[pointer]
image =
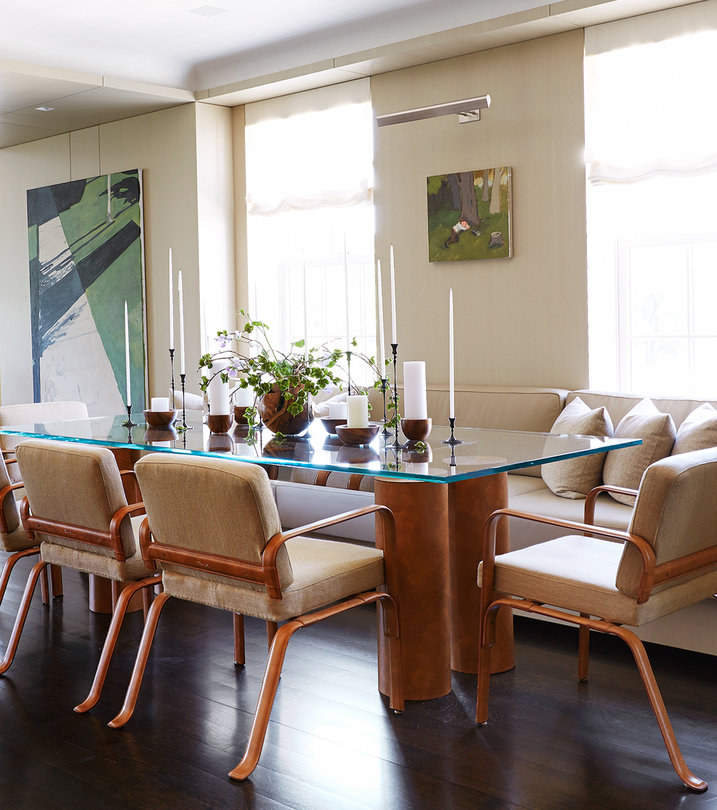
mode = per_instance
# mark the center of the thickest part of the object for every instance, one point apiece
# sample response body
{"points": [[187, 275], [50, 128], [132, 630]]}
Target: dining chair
{"points": [[602, 579], [13, 537], [213, 529], [76, 509]]}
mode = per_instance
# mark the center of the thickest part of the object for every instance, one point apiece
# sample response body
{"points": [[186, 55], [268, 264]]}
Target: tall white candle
{"points": [[306, 308], [160, 403], [357, 411], [451, 361], [218, 391], [414, 390], [126, 356], [381, 347], [346, 287], [171, 303], [182, 365], [394, 339]]}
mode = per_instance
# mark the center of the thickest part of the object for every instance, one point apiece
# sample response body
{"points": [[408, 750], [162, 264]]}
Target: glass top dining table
{"points": [[481, 452], [439, 494]]}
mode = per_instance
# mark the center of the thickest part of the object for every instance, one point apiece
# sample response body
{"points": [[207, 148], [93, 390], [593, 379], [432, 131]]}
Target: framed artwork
{"points": [[469, 215], [86, 260]]}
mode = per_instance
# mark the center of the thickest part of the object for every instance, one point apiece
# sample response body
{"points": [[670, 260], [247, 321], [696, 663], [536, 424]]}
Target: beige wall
{"points": [[190, 217], [521, 320], [518, 321]]}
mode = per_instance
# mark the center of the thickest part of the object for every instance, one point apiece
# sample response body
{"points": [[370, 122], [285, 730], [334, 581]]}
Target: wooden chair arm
{"points": [[592, 496], [5, 492], [271, 549], [646, 551], [130, 485]]}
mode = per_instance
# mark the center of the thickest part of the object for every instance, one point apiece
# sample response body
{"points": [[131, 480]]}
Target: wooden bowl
{"points": [[416, 429], [356, 436], [331, 425], [159, 418], [219, 423]]}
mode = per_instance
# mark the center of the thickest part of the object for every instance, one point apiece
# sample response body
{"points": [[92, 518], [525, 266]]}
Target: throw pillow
{"points": [[625, 467], [698, 431], [575, 477]]}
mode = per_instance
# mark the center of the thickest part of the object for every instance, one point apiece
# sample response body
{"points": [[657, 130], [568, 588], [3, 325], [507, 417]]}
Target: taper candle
{"points": [[171, 303], [381, 348], [182, 365], [394, 331], [126, 355], [346, 287], [451, 361], [306, 306]]}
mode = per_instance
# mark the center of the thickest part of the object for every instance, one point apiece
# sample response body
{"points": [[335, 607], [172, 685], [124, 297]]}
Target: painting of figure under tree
{"points": [[469, 215]]}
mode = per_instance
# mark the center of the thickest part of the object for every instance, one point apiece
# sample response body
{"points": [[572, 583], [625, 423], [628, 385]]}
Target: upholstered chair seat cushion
{"points": [[324, 572], [91, 562], [579, 573]]}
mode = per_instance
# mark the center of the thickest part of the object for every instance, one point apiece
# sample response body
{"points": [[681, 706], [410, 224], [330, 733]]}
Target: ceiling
{"points": [[87, 62]]}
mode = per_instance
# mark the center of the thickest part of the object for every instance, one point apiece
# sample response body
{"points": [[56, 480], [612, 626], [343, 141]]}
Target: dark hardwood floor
{"points": [[551, 742]]}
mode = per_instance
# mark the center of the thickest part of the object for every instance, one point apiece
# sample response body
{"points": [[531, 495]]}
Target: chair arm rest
{"points": [[6, 492], [592, 496], [130, 486], [271, 549], [116, 522]]}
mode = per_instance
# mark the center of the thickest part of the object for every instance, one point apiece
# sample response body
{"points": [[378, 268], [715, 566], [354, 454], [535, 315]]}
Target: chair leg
{"points": [[269, 686], [583, 650], [390, 626], [108, 647], [130, 700], [239, 652], [44, 588], [10, 564], [37, 569], [271, 629], [486, 635], [658, 707], [56, 580], [115, 586]]}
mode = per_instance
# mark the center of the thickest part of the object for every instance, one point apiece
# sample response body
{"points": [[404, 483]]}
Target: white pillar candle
{"points": [[218, 391], [182, 365], [243, 397], [357, 416], [337, 410], [381, 347], [171, 303], [160, 403], [126, 355], [451, 361], [394, 331], [414, 390]]}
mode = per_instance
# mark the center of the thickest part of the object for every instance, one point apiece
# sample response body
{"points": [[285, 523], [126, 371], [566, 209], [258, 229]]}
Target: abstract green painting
{"points": [[86, 261], [469, 215]]}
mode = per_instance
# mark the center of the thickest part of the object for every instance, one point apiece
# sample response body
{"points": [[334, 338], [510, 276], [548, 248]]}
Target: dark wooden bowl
{"points": [[356, 436], [219, 422], [331, 425], [416, 429], [159, 418]]}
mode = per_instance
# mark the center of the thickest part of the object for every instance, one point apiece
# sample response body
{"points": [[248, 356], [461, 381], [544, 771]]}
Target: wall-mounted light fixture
{"points": [[467, 109]]}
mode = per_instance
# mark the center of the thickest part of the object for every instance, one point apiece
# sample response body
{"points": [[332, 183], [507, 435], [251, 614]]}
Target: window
{"points": [[310, 219], [651, 151]]}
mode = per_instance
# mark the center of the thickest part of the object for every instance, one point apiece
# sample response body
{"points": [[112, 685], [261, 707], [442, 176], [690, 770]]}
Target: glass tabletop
{"points": [[480, 451]]}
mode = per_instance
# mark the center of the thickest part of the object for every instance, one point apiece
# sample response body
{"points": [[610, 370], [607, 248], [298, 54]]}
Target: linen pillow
{"points": [[698, 431], [575, 477], [625, 467]]}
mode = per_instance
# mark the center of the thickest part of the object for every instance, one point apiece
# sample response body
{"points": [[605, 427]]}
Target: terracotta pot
{"points": [[273, 411]]}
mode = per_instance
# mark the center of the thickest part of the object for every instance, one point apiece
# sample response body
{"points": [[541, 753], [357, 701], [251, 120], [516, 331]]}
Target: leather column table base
{"points": [[422, 584], [470, 503]]}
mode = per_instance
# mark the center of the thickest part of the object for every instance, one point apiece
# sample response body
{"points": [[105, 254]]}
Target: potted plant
{"points": [[283, 383]]}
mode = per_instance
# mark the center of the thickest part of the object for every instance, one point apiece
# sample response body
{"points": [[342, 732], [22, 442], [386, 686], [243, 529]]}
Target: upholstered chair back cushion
{"points": [[218, 506], [78, 484], [676, 512], [9, 508]]}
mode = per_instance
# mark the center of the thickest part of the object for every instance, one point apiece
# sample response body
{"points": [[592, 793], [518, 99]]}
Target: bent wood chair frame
{"points": [[266, 574], [652, 575], [109, 539]]}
